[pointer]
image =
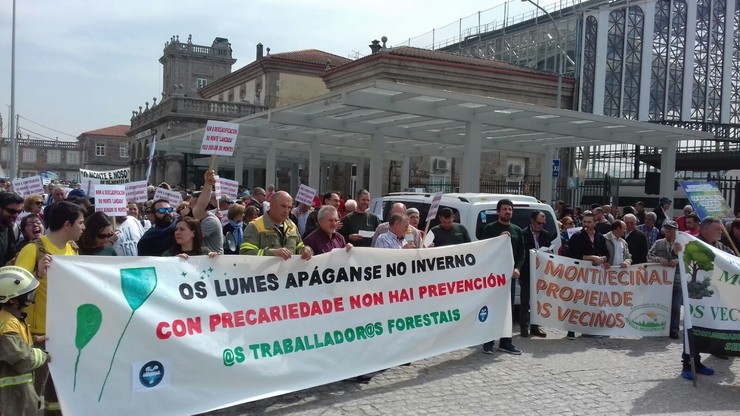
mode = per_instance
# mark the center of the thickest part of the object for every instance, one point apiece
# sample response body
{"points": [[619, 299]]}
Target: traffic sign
{"points": [[555, 168]]}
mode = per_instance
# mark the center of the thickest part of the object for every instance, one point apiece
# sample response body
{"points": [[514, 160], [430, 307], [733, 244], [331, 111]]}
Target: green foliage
{"points": [[697, 257]]}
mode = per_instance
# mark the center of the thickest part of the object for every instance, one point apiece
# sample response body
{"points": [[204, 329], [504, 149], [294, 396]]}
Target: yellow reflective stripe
{"points": [[299, 247], [38, 358], [261, 252], [247, 246], [52, 406], [16, 380]]}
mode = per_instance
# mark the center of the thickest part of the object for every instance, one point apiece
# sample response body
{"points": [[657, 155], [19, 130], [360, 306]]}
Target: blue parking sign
{"points": [[555, 168]]}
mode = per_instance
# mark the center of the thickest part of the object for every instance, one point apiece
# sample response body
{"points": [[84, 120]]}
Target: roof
{"points": [[115, 131], [450, 58], [311, 56]]}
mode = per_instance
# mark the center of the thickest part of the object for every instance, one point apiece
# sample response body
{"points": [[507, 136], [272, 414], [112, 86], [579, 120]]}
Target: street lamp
{"points": [[559, 60]]}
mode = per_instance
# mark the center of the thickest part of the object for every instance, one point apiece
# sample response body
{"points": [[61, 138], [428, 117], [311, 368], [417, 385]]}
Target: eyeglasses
{"points": [[163, 210], [12, 211], [105, 236], [39, 203], [33, 224]]}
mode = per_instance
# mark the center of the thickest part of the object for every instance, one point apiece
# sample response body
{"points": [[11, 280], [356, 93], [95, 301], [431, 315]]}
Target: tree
{"points": [[698, 256]]}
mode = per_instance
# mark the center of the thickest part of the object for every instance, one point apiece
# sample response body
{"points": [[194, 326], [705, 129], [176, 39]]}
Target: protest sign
{"points": [[226, 187], [305, 195], [136, 191], [434, 207], [173, 197], [574, 295], [710, 280], [219, 138], [28, 186], [152, 149], [109, 177], [707, 200], [376, 207], [88, 185], [240, 328], [111, 200]]}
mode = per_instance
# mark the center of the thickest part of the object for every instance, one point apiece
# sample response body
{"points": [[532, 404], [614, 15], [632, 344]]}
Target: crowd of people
{"points": [[267, 222], [611, 237]]}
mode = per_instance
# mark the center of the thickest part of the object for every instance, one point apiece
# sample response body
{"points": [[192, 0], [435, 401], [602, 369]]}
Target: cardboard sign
{"points": [[173, 197], [305, 195], [219, 138], [111, 199], [434, 207], [136, 191], [28, 186]]}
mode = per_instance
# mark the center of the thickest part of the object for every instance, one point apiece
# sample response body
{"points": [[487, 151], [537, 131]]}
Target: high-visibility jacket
{"points": [[18, 359], [261, 235]]}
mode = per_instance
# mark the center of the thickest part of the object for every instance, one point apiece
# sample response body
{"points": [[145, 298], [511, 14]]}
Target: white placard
{"points": [[219, 138], [173, 197], [305, 195], [376, 207], [28, 186], [428, 239], [88, 185], [111, 200], [136, 191], [573, 230], [117, 176], [227, 187], [434, 207]]}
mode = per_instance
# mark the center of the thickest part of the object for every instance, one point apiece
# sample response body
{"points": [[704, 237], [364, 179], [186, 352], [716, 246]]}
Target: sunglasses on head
{"points": [[163, 210]]}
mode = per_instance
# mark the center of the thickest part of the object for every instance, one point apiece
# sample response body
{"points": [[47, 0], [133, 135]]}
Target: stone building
{"points": [[187, 67], [56, 159], [105, 149], [195, 93]]}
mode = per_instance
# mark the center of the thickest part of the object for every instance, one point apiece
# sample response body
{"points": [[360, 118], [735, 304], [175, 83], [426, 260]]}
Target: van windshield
{"points": [[520, 218]]}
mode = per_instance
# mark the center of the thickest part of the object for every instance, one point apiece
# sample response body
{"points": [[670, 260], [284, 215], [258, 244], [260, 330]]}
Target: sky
{"points": [[84, 65]]}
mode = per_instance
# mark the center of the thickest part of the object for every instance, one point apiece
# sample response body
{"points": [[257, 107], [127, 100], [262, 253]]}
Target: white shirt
{"points": [[129, 233]]}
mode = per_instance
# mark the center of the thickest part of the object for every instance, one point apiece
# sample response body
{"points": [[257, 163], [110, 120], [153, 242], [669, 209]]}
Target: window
{"points": [[201, 82], [123, 151], [243, 92], [4, 152], [231, 96], [100, 149], [29, 155], [73, 157], [53, 156]]}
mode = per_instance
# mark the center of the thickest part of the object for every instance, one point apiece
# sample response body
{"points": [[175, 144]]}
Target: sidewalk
{"points": [[554, 376]]}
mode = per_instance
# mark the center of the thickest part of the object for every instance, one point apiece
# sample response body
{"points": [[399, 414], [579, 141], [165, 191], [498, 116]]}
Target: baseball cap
{"points": [[670, 224]]}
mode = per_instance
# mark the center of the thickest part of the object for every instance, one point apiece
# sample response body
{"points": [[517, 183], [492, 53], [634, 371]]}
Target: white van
{"points": [[475, 211]]}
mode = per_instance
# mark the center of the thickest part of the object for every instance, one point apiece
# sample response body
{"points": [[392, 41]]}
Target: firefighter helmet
{"points": [[15, 281]]}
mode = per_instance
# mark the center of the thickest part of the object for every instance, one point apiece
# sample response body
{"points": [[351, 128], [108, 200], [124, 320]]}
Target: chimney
{"points": [[375, 46], [259, 51]]}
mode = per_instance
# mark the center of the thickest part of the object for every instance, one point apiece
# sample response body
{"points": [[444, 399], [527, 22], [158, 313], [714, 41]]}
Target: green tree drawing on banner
{"points": [[89, 318], [698, 257], [137, 285]]}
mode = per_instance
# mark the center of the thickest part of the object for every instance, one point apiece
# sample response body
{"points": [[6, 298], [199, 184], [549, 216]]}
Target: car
{"points": [[475, 211]]}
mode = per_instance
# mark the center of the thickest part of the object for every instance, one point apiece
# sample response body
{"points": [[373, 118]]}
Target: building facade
{"points": [[105, 149], [55, 159]]}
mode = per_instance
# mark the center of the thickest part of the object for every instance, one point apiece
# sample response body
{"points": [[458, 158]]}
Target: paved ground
{"points": [[554, 376]]}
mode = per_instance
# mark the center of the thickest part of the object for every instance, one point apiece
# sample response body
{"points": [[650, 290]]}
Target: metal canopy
{"points": [[423, 121], [383, 120]]}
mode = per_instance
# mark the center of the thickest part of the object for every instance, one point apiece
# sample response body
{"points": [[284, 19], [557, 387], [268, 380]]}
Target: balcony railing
{"points": [[194, 107]]}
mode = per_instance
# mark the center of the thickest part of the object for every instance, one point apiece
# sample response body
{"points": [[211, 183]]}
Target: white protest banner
{"points": [[28, 186], [710, 280], [129, 334], [173, 197], [573, 230], [219, 138], [88, 185], [434, 207], [111, 200], [305, 195], [136, 191], [574, 295], [108, 177]]}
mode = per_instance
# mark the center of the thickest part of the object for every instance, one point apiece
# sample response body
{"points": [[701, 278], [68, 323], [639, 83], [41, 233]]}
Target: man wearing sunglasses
{"points": [[161, 236], [11, 204]]}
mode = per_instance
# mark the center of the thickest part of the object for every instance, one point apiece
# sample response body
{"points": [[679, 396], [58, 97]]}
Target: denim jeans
{"points": [[676, 302]]}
